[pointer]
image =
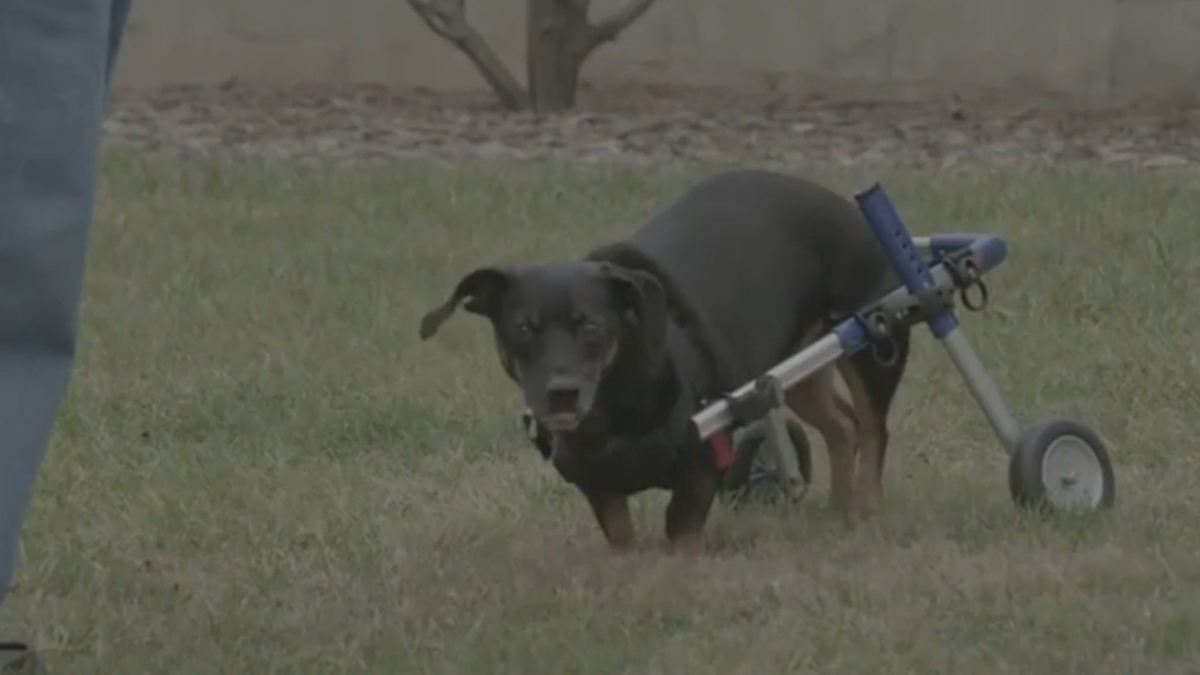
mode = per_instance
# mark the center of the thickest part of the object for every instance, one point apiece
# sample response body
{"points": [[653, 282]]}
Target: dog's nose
{"points": [[563, 397]]}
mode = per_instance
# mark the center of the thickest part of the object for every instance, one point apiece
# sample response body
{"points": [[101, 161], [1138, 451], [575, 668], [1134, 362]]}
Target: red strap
{"points": [[722, 449]]}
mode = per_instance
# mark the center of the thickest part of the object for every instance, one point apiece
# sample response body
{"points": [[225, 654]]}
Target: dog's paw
{"points": [[687, 546]]}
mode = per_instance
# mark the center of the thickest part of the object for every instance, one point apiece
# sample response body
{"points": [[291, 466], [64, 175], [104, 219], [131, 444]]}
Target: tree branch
{"points": [[607, 29], [448, 20]]}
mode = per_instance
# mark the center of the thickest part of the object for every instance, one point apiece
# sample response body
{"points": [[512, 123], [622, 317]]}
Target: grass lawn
{"points": [[261, 469]]}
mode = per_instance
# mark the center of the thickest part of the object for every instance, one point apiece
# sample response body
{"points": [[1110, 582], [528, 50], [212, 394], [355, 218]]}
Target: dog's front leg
{"points": [[612, 512], [687, 512]]}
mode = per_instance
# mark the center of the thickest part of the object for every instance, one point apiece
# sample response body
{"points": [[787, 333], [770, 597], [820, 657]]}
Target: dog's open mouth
{"points": [[560, 422]]}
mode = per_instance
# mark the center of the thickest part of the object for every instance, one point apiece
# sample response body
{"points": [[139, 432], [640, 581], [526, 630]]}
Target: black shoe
{"points": [[18, 659]]}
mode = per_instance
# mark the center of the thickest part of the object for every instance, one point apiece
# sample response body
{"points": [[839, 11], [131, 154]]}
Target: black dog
{"points": [[614, 353]]}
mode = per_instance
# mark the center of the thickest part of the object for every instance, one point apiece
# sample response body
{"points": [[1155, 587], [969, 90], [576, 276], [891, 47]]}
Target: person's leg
{"points": [[55, 57]]}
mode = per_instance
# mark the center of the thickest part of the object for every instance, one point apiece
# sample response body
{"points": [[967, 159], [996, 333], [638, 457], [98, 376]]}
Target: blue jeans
{"points": [[56, 60]]}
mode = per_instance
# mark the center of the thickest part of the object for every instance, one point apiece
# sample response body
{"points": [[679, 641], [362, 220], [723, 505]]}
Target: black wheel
{"points": [[753, 475], [1060, 464]]}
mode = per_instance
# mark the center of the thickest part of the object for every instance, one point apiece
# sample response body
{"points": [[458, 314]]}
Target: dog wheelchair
{"points": [[1055, 463]]}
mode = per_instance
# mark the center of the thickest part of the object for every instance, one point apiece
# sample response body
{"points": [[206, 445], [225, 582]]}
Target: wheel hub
{"points": [[765, 479], [1072, 474]]}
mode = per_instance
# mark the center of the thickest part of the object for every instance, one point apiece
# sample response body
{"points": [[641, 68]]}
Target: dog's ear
{"points": [[482, 290], [642, 294]]}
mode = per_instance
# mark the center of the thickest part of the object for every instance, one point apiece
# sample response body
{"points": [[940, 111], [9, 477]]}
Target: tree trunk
{"points": [[559, 39], [448, 19]]}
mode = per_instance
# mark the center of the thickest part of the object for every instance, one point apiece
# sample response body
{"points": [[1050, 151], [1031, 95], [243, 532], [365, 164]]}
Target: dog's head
{"points": [[560, 328]]}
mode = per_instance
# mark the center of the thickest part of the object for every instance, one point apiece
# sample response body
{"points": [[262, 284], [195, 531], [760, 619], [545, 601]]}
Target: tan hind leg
{"points": [[818, 402], [872, 443]]}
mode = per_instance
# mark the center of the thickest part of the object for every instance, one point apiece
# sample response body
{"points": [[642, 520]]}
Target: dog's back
{"points": [[766, 258]]}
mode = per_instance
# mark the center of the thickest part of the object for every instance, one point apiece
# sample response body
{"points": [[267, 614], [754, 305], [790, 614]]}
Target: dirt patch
{"points": [[639, 124]]}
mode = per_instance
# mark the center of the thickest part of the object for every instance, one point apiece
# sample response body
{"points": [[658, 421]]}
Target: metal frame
{"points": [[955, 263], [776, 423]]}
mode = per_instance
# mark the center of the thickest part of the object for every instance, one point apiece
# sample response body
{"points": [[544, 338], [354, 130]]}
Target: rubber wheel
{"points": [[1061, 465], [754, 477]]}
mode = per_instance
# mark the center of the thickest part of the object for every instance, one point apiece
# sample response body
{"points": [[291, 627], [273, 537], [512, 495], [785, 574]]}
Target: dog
{"points": [[616, 351]]}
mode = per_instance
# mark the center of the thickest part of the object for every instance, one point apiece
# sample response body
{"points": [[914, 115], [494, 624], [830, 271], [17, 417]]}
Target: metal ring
{"points": [[891, 360], [965, 296]]}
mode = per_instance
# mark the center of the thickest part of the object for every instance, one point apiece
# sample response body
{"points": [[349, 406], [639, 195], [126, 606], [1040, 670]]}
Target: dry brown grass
{"points": [[260, 469]]}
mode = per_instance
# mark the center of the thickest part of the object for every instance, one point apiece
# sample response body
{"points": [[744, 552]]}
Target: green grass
{"points": [[261, 469]]}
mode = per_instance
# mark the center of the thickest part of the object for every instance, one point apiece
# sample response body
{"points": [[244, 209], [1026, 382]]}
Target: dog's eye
{"points": [[523, 331], [589, 329]]}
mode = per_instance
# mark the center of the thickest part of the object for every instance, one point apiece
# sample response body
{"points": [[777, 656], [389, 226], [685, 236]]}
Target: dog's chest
{"points": [[616, 468]]}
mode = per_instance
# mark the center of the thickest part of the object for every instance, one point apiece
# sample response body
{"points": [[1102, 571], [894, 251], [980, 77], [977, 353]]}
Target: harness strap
{"points": [[721, 445]]}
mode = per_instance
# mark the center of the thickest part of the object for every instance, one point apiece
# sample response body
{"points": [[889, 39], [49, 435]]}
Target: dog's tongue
{"points": [[562, 423]]}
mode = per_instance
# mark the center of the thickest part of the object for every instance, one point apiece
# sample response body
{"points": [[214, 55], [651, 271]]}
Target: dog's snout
{"points": [[563, 396]]}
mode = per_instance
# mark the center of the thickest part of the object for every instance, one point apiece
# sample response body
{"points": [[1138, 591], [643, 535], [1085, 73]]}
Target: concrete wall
{"points": [[1090, 48]]}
